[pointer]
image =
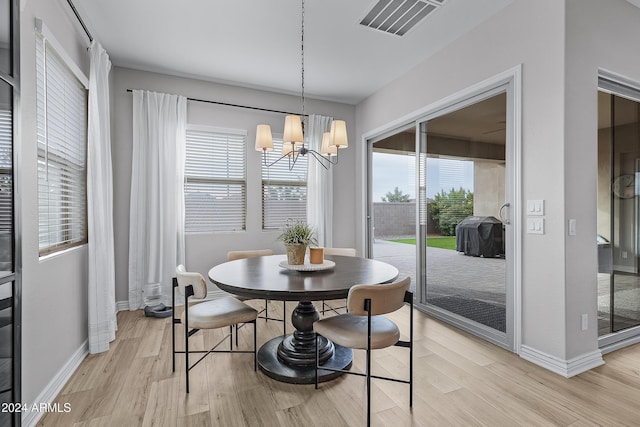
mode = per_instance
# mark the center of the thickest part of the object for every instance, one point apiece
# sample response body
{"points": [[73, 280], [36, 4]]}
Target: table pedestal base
{"points": [[275, 368]]}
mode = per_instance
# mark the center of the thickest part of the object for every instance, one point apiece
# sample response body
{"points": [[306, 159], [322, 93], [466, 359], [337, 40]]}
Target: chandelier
{"points": [[293, 136]]}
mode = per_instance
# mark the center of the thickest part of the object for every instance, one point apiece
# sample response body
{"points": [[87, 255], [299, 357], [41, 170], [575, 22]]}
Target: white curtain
{"points": [[102, 299], [156, 233], [319, 183]]}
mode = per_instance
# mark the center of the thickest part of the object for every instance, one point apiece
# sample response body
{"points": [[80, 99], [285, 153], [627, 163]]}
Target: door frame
{"points": [[509, 81], [623, 87]]}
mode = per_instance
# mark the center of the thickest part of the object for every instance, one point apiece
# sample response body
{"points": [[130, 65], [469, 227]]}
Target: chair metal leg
{"points": [[173, 345], [368, 307], [173, 324], [368, 387], [264, 314], [186, 344], [326, 307], [317, 360], [231, 337], [255, 345], [411, 352]]}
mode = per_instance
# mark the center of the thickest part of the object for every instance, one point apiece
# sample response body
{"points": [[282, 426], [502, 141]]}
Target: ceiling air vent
{"points": [[399, 16]]}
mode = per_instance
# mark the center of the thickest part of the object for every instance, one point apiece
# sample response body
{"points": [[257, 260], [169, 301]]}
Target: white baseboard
{"points": [[566, 368], [122, 306], [50, 392]]}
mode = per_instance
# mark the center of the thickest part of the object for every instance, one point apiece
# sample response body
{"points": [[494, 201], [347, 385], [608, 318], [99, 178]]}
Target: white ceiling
{"points": [[256, 43], [634, 2]]}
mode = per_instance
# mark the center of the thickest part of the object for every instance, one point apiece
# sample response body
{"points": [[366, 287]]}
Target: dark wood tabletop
{"points": [[263, 278]]}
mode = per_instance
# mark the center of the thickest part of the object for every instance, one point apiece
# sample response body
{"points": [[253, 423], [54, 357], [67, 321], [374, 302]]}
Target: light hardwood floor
{"points": [[459, 381]]}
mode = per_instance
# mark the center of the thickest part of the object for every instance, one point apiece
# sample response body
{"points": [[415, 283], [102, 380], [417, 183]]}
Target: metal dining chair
{"points": [[364, 327], [213, 314], [342, 252], [234, 255]]}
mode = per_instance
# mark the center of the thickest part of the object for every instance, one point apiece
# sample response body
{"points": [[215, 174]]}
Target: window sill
{"points": [[64, 252]]}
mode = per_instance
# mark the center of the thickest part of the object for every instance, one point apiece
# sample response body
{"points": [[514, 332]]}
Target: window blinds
{"points": [[61, 102], [215, 180], [284, 191], [6, 175]]}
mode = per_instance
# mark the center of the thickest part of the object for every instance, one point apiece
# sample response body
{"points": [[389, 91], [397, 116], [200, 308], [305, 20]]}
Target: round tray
{"points": [[326, 265]]}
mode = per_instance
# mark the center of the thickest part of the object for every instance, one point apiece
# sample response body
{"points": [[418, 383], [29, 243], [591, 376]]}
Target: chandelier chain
{"points": [[302, 56], [264, 140]]}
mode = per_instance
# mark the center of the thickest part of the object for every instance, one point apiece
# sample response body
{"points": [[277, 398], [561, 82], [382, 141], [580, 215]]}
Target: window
{"points": [[284, 191], [6, 178], [61, 102], [6, 171], [215, 188]]}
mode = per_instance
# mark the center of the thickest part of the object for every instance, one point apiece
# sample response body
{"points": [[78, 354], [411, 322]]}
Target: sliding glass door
{"points": [[441, 210], [464, 169], [618, 233]]}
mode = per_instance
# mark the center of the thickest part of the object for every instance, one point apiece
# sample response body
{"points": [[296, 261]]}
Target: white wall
{"points": [[204, 250], [600, 34], [531, 34], [54, 295]]}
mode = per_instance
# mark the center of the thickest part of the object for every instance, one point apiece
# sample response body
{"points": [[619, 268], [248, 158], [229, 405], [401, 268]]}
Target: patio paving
{"points": [[448, 272]]}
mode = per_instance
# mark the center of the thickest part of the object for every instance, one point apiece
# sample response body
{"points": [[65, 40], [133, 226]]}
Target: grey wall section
{"points": [[398, 219], [54, 291], [393, 219], [530, 34], [204, 250], [600, 34]]}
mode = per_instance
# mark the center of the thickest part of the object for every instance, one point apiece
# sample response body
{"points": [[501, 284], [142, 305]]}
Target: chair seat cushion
{"points": [[219, 313], [351, 331]]}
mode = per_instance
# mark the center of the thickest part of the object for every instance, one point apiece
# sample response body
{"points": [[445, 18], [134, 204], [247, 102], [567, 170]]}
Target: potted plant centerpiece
{"points": [[296, 236]]}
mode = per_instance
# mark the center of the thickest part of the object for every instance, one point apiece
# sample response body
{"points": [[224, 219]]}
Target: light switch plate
{"points": [[535, 225], [535, 207]]}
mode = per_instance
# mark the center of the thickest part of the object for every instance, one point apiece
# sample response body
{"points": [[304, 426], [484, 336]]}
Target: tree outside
{"points": [[396, 196], [449, 209]]}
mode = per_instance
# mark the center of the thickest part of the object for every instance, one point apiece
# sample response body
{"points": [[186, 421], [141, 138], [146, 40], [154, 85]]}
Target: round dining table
{"points": [[291, 358]]}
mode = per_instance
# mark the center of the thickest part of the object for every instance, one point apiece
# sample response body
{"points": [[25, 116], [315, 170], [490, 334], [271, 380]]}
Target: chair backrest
{"points": [[186, 278], [340, 251], [234, 255], [385, 298]]}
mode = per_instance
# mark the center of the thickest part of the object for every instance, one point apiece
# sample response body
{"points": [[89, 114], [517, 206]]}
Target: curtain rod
{"points": [[240, 106], [84, 27]]}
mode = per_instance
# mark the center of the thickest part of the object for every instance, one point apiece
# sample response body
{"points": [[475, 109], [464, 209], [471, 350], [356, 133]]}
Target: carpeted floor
{"points": [[491, 315]]}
